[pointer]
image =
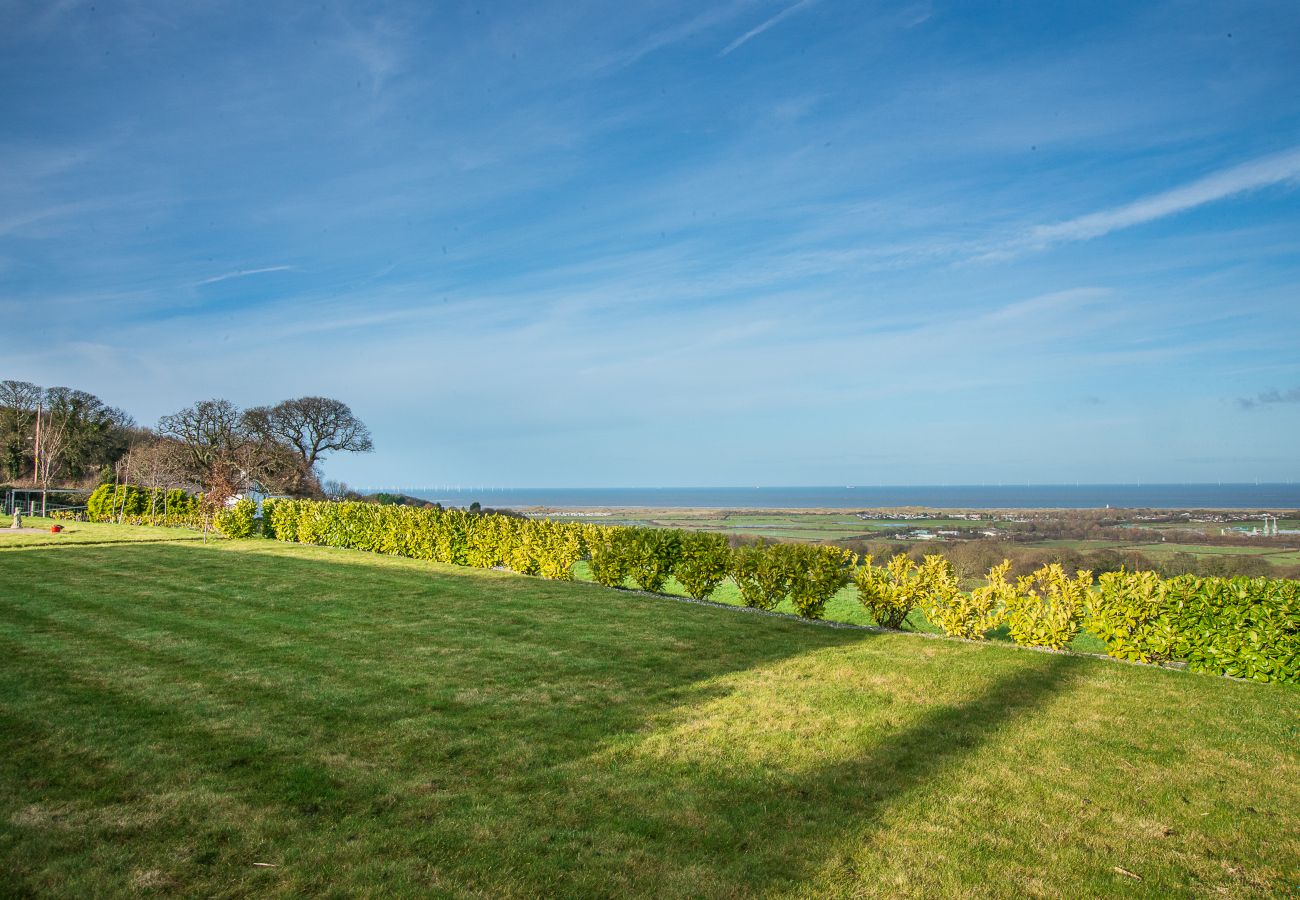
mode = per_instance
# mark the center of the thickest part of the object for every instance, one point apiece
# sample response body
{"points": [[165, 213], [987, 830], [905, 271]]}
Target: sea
{"points": [[1275, 496]]}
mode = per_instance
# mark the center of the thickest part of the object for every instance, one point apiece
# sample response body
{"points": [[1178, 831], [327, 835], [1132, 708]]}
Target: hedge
{"points": [[528, 546], [1243, 627], [1246, 627], [134, 505], [238, 520], [703, 564], [762, 573]]}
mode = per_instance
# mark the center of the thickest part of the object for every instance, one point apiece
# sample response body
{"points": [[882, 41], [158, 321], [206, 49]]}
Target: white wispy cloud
{"points": [[1279, 168], [674, 34], [241, 273], [374, 48], [759, 29]]}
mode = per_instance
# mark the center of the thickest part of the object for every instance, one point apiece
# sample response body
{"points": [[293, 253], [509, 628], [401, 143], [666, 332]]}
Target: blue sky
{"points": [[671, 243]]}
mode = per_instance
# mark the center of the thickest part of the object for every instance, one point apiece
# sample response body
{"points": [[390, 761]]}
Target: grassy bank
{"points": [[174, 714]]}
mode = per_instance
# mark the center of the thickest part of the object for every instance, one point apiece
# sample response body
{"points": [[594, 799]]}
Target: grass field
{"points": [[1157, 551], [250, 718], [820, 525], [801, 525], [87, 533]]}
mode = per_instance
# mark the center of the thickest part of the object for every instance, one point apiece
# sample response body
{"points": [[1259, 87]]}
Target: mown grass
{"points": [[91, 533], [173, 714]]}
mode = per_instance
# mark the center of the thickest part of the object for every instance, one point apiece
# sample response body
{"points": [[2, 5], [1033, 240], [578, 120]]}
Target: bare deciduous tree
{"points": [[52, 452], [226, 450], [314, 426], [19, 401], [159, 466], [210, 431]]}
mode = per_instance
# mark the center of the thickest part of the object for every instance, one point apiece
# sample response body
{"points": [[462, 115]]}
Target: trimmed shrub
{"points": [[762, 573], [489, 537], [704, 562], [968, 615], [237, 521], [1129, 613], [108, 502], [284, 519], [1045, 608], [890, 592], [561, 546], [451, 541], [268, 509], [1243, 627], [652, 555], [816, 575], [607, 548]]}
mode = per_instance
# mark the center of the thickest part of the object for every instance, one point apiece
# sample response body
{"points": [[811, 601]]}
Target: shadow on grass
{"points": [[452, 723], [775, 832]]}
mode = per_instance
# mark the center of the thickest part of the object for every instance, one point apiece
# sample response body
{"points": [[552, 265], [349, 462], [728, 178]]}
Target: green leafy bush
{"points": [[1045, 608], [268, 509], [890, 592], [704, 562], [816, 574], [489, 538], [762, 573], [283, 519], [134, 505], [108, 502], [1130, 613], [523, 550], [560, 545], [1243, 627], [968, 615], [607, 548], [652, 554], [238, 520]]}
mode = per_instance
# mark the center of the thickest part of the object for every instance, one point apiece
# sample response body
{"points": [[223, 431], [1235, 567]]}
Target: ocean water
{"points": [[1047, 496]]}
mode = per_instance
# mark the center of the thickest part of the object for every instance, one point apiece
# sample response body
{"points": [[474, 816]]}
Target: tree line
{"points": [[61, 437]]}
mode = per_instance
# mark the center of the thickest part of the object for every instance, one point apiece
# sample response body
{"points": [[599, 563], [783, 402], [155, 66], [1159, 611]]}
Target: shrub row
{"points": [[143, 506], [766, 574], [1244, 627], [1238, 626], [528, 546]]}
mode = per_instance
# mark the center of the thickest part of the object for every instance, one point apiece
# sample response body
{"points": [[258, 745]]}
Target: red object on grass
{"points": [[55, 529]]}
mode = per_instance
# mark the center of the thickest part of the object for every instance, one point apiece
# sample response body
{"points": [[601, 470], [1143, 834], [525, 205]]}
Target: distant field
{"points": [[246, 718], [795, 525], [817, 526], [1157, 549], [1162, 549]]}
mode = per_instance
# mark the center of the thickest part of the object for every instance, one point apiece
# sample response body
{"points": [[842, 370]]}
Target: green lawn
{"points": [[87, 533], [173, 714]]}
